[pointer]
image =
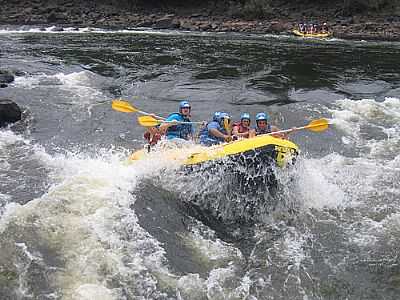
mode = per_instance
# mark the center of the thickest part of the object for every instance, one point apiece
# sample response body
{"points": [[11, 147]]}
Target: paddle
{"points": [[318, 125], [149, 121], [124, 106]]}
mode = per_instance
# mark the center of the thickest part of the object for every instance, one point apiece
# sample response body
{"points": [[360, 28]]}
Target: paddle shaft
{"points": [[296, 128], [125, 106], [149, 114], [180, 122]]}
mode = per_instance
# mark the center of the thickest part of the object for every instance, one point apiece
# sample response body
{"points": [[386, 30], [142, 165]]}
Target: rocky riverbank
{"points": [[281, 20]]}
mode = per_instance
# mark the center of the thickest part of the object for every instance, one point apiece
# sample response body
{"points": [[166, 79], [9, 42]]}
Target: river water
{"points": [[78, 222]]}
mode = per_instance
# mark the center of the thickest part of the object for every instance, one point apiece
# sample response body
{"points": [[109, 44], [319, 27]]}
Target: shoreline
{"points": [[361, 27]]}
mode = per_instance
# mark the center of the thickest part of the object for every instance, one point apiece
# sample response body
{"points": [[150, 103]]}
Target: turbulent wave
{"points": [[77, 87], [84, 238]]}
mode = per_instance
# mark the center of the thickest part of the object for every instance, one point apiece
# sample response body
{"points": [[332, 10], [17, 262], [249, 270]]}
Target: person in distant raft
{"points": [[217, 131], [175, 126], [324, 28], [241, 129], [263, 127]]}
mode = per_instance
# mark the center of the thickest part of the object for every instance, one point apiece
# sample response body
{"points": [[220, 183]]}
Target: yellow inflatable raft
{"points": [[265, 147], [314, 35]]}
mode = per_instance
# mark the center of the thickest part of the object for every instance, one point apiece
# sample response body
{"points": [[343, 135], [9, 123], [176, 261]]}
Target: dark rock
{"points": [[186, 25], [370, 26], [54, 17], [57, 29], [6, 77], [214, 26], [16, 72], [276, 27], [204, 26], [144, 23], [9, 112], [164, 23]]}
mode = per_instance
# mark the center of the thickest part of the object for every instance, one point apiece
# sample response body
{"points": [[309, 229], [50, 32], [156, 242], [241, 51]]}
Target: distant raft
{"points": [[312, 35]]}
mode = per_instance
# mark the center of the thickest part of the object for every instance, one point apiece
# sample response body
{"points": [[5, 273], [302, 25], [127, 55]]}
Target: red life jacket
{"points": [[241, 128], [152, 139]]}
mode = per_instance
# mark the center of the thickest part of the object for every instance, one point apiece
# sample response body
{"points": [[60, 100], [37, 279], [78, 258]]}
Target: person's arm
{"points": [[283, 135], [235, 132], [215, 132], [156, 117], [146, 135], [164, 126], [170, 121]]}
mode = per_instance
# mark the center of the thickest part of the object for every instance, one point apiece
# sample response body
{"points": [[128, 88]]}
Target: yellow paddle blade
{"points": [[318, 125], [227, 123], [123, 106], [148, 121]]}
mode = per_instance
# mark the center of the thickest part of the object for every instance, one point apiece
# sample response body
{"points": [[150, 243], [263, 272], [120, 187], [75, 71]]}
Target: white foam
{"points": [[77, 83], [94, 291], [351, 115], [293, 248], [318, 185], [368, 232], [224, 283], [85, 217], [82, 94], [191, 286], [209, 249], [7, 137], [89, 30], [364, 233]]}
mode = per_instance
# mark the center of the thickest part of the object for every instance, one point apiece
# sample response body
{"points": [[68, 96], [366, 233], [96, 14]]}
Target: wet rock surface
{"points": [[9, 112], [6, 77]]}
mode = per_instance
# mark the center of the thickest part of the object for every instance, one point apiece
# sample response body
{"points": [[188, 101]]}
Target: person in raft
{"points": [[241, 128], [217, 131], [177, 125], [263, 127], [324, 28]]}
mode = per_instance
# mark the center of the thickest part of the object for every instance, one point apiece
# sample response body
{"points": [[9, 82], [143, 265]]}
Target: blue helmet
{"points": [[184, 104], [216, 116], [245, 116], [224, 115], [261, 116]]}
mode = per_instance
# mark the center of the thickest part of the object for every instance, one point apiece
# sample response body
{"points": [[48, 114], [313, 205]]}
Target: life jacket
{"points": [[208, 139], [181, 131], [263, 131], [152, 140]]}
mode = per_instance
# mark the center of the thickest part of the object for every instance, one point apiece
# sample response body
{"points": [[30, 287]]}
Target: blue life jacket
{"points": [[263, 131], [181, 131], [207, 139]]}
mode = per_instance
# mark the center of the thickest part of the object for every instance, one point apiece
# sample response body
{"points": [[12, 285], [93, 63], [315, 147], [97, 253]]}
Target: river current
{"points": [[78, 222]]}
